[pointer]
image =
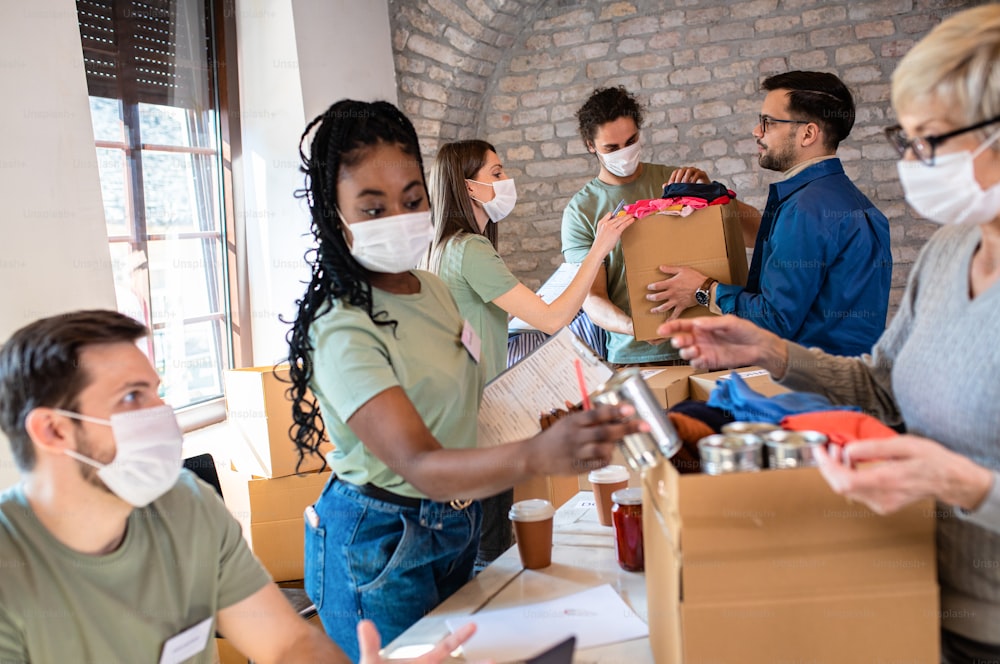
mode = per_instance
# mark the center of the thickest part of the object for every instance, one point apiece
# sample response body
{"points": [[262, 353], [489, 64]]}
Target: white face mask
{"points": [[392, 244], [947, 192], [504, 198], [624, 162], [148, 457]]}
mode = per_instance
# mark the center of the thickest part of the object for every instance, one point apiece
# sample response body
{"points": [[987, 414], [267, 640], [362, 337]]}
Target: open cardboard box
{"points": [[710, 240], [773, 566], [700, 386], [258, 408]]}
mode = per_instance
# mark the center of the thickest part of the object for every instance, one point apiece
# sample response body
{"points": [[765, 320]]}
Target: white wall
{"points": [[272, 119], [54, 252], [345, 50], [54, 255], [296, 58]]}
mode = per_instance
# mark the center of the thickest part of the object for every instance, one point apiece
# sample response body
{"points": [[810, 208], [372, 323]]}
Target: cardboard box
{"points": [[710, 240], [259, 410], [775, 567], [669, 384], [270, 513], [700, 386]]}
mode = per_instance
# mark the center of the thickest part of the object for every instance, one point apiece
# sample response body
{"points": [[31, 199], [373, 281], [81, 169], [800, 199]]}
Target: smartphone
{"points": [[311, 516], [561, 653]]}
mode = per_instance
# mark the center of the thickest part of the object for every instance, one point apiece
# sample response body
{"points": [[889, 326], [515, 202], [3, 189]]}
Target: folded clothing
{"points": [[840, 426], [707, 192], [691, 430], [745, 404]]}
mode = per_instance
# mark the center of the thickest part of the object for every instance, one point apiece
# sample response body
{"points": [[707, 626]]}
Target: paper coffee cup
{"points": [[532, 520], [605, 481]]}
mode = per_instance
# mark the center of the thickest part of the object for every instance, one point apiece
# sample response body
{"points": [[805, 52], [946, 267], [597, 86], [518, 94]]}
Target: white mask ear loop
{"points": [[987, 143], [79, 416], [73, 454]]}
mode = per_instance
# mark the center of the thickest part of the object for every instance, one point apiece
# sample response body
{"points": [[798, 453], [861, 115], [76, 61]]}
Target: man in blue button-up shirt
{"points": [[821, 266]]}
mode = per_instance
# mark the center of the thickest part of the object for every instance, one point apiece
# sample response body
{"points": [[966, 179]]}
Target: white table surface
{"points": [[583, 556]]}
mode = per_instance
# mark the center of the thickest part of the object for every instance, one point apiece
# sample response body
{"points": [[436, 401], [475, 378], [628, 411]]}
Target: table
{"points": [[583, 556]]}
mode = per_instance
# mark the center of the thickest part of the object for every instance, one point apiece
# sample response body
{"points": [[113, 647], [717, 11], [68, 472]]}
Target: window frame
{"points": [[233, 286]]}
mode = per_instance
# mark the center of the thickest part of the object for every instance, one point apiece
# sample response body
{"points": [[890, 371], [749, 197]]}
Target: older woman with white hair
{"points": [[936, 368]]}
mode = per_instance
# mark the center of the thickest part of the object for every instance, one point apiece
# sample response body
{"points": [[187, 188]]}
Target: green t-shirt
{"points": [[579, 227], [354, 360], [476, 275], [182, 559]]}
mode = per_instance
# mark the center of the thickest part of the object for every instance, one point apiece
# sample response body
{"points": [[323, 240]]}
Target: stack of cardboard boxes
{"points": [[261, 486]]}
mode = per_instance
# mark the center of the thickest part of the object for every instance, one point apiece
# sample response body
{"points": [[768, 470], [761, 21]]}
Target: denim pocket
{"points": [[383, 543], [315, 562]]}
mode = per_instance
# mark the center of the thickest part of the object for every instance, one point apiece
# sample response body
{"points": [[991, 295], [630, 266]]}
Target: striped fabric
{"points": [[522, 343]]}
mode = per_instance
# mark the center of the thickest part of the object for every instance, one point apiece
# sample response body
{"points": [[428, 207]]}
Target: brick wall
{"points": [[514, 72]]}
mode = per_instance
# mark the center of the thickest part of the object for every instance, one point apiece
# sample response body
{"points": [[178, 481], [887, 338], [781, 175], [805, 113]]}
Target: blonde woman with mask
{"points": [[935, 368], [471, 195]]}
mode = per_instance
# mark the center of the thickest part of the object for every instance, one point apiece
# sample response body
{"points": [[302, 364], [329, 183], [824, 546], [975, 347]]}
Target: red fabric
{"points": [[646, 207], [840, 426]]}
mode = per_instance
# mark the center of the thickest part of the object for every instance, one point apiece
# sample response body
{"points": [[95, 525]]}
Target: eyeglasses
{"points": [[924, 146], [764, 120]]}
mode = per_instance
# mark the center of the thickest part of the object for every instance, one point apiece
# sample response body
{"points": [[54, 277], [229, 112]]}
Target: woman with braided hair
{"points": [[381, 346]]}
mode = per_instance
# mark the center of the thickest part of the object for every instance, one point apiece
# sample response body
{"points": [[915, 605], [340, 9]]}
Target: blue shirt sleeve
{"points": [[794, 268]]}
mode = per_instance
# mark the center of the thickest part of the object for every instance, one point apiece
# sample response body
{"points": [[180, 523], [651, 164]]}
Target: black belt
{"points": [[379, 493]]}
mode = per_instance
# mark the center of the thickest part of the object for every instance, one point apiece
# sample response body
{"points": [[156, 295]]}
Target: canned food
{"points": [[730, 453], [792, 449], [644, 449], [759, 428]]}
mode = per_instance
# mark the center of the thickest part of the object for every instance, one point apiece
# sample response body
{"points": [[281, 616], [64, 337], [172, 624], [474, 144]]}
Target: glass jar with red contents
{"points": [[626, 516]]}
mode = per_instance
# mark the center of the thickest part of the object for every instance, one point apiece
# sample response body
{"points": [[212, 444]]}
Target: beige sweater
{"points": [[936, 369]]}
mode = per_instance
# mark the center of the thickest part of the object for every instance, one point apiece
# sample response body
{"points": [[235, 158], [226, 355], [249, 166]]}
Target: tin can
{"points": [[759, 428], [644, 449], [731, 453], [626, 515], [792, 449]]}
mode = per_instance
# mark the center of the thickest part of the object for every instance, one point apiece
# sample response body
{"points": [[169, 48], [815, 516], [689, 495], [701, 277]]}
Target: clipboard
{"points": [[543, 380], [553, 287]]}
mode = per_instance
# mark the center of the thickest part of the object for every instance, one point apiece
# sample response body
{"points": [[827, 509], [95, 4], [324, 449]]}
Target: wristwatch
{"points": [[704, 292]]}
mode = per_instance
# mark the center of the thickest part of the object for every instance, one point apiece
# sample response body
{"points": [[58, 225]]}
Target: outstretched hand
{"points": [[711, 342], [370, 642]]}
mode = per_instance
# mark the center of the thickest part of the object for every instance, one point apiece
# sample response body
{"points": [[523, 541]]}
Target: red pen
{"points": [[583, 383]]}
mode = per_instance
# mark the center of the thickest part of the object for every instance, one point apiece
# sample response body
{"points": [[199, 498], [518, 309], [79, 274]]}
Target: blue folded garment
{"points": [[746, 405]]}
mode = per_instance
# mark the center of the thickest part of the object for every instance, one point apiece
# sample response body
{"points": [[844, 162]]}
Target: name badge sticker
{"points": [[186, 644], [471, 341]]}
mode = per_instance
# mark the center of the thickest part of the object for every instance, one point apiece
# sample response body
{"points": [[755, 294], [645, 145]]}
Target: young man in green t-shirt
{"points": [[109, 552], [610, 122]]}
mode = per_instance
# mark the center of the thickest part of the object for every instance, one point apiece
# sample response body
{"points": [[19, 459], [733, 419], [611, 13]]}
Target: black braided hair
{"points": [[344, 135]]}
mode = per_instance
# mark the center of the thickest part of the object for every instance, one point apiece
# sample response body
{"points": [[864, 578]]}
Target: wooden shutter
{"points": [[133, 50]]}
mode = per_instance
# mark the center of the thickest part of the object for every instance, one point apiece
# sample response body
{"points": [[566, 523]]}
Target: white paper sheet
{"points": [[545, 379], [596, 617], [550, 290]]}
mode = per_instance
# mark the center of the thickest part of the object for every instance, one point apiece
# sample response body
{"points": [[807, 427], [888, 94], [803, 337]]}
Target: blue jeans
{"points": [[391, 564]]}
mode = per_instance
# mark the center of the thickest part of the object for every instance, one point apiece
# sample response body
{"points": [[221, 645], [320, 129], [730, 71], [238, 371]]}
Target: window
{"points": [[154, 102]]}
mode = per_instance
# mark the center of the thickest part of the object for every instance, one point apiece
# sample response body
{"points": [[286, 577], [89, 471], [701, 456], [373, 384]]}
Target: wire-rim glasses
{"points": [[924, 146]]}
